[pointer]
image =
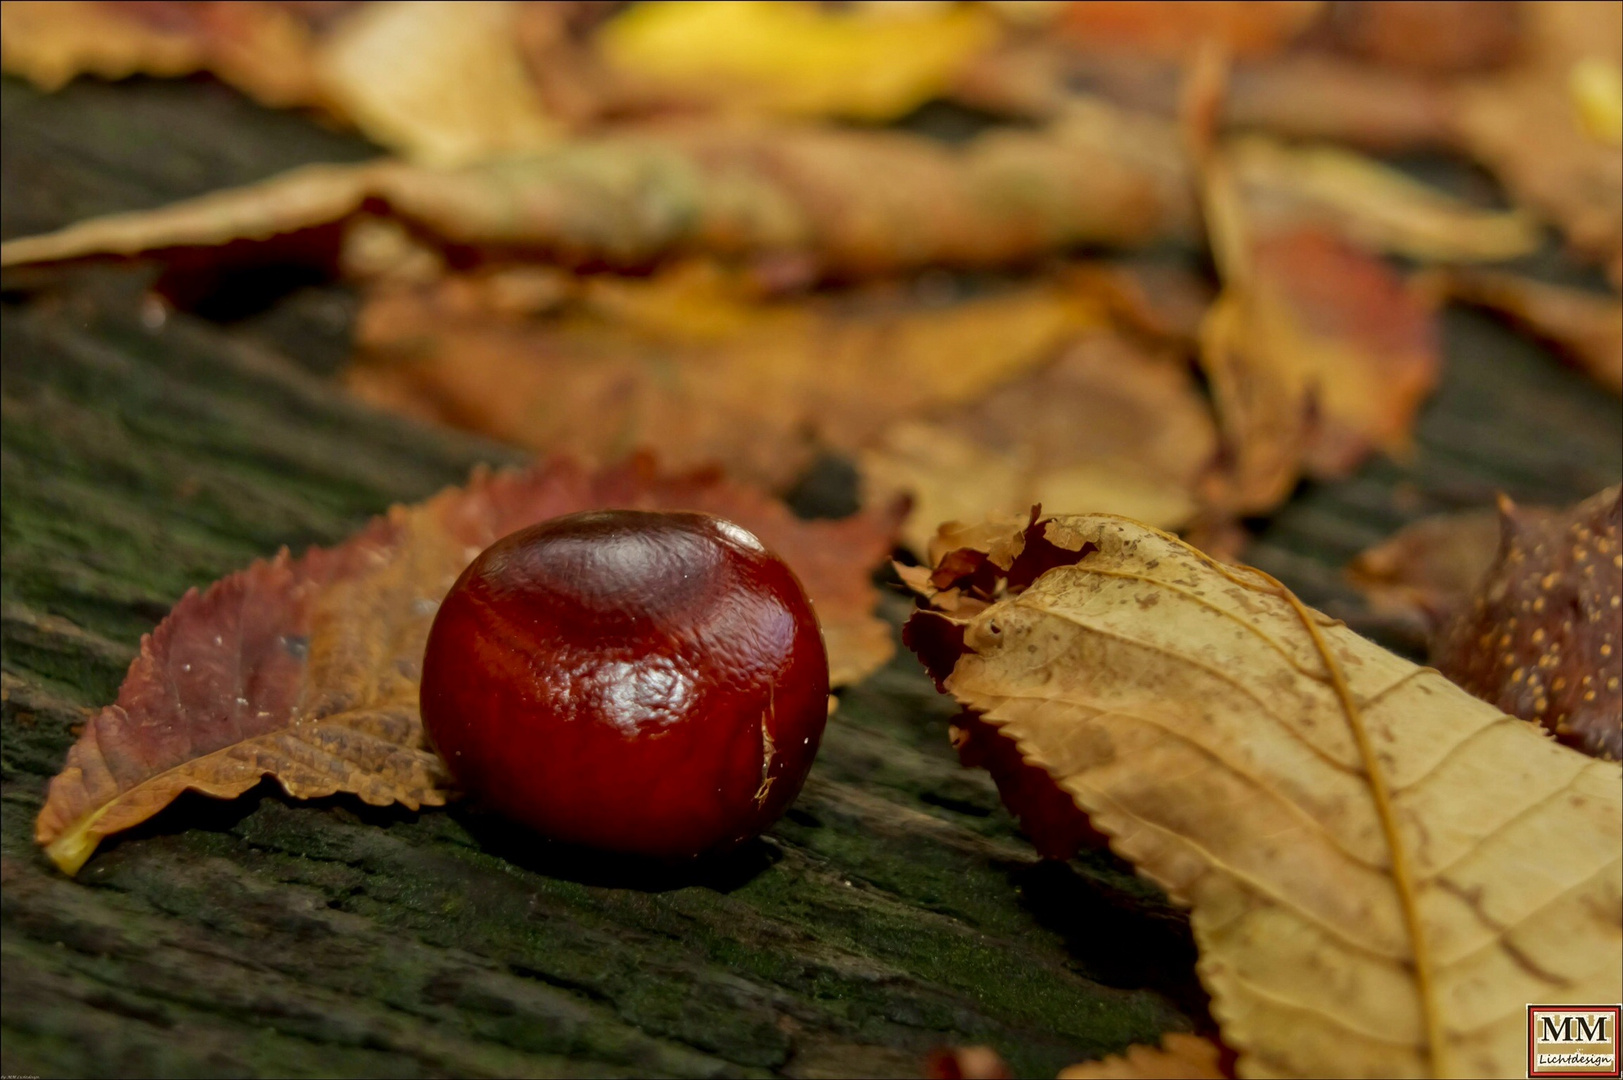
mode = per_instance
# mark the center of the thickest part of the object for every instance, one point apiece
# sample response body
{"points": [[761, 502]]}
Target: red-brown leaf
{"points": [[307, 669]]}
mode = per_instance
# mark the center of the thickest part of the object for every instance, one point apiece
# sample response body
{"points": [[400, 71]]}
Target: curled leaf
{"points": [[307, 669], [799, 201], [1382, 870]]}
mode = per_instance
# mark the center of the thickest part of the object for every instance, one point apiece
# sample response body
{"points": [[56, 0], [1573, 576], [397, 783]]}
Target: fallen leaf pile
{"points": [[1134, 259], [581, 139], [307, 669], [1381, 869]]}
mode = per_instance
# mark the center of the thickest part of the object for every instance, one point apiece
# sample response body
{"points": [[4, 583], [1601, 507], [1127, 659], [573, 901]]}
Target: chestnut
{"points": [[640, 682]]}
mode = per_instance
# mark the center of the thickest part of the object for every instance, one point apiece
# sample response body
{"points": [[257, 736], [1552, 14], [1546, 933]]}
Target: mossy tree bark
{"points": [[895, 909]]}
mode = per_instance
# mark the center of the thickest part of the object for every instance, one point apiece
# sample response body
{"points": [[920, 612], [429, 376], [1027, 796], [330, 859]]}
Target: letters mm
{"points": [[1585, 1028]]}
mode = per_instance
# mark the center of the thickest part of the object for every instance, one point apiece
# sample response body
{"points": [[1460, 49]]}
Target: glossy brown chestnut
{"points": [[641, 682]]}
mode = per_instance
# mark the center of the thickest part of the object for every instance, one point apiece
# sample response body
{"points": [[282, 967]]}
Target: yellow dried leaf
{"points": [[1179, 1057], [263, 49], [50, 43], [1382, 870], [441, 82], [1372, 204], [797, 59], [1597, 93]]}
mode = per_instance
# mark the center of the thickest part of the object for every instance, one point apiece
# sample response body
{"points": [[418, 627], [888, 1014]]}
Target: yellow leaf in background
{"points": [[1179, 1057], [1373, 205], [441, 82], [795, 58], [1382, 870], [50, 43], [1597, 91]]}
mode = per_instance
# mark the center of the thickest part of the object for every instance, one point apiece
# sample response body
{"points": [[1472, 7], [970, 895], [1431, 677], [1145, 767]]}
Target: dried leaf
{"points": [[307, 669], [1317, 355], [869, 63], [1058, 830], [1175, 28], [1541, 636], [1373, 205], [693, 368], [1302, 95], [1430, 567], [795, 200], [1436, 38], [1179, 1057], [264, 49], [1107, 426], [1382, 870], [1585, 327], [464, 96], [1531, 131]]}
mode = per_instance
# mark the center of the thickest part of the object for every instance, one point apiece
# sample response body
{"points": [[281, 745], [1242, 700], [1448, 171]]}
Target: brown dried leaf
{"points": [[1302, 95], [1428, 568], [1586, 327], [1529, 128], [795, 201], [1058, 830], [1107, 426], [692, 367], [1541, 636], [1382, 870], [307, 669], [1175, 28], [1179, 1057], [264, 49], [1436, 37], [1316, 356]]}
